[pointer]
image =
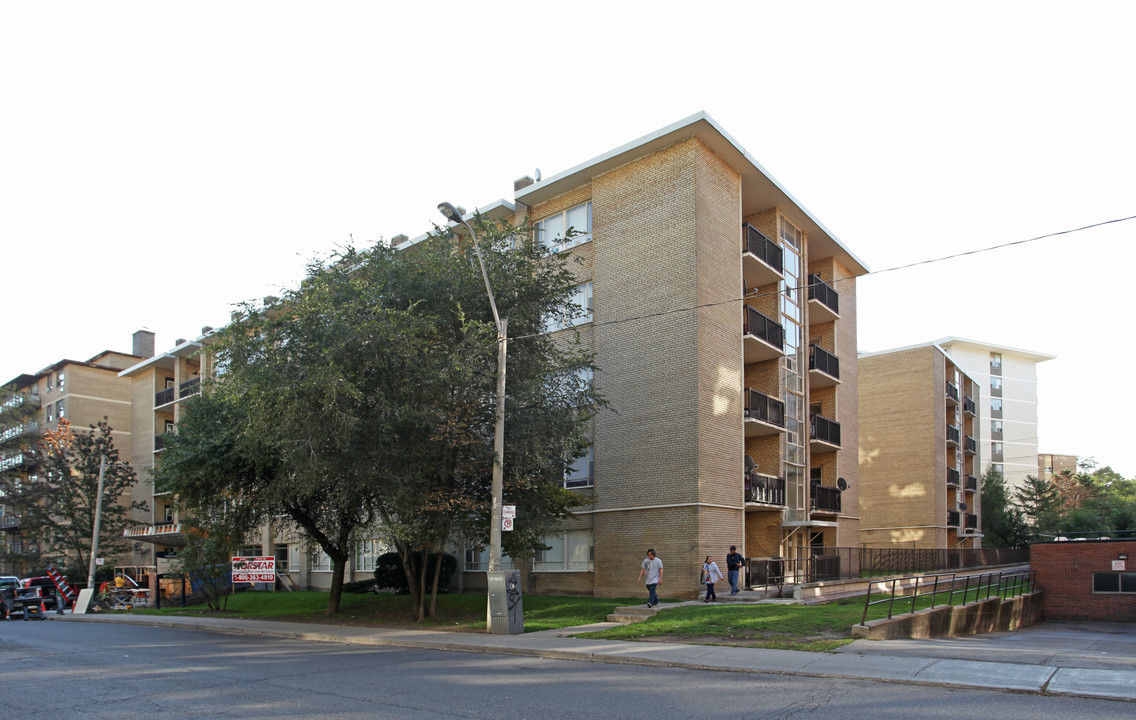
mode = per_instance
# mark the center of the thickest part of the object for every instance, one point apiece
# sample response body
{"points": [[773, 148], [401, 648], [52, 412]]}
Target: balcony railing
{"points": [[952, 518], [822, 429], [953, 477], [18, 460], [970, 521], [823, 293], [150, 531], [765, 489], [825, 499], [968, 406], [31, 428], [761, 247], [763, 328], [970, 445], [159, 443], [823, 361], [165, 397], [189, 387], [759, 406], [971, 483], [19, 399], [8, 521], [952, 392], [953, 434]]}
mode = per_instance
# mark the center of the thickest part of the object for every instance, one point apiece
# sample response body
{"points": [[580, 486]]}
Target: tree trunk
{"points": [[406, 555], [434, 585], [339, 567]]}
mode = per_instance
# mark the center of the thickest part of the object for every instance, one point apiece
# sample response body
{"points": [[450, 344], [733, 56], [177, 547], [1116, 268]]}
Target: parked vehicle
{"points": [[46, 590], [9, 585]]}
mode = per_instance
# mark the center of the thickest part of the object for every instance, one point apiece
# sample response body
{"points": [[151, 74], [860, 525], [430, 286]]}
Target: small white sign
{"points": [[99, 561], [507, 524], [1118, 565], [508, 511]]}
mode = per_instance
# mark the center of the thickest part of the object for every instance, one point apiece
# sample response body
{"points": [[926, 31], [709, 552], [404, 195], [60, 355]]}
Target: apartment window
{"points": [[997, 467], [367, 553], [169, 426], [996, 385], [320, 561], [551, 232], [996, 407], [59, 409], [996, 360], [61, 379], [580, 473], [477, 560], [168, 511], [50, 382], [995, 451], [582, 298], [50, 412], [567, 552], [1114, 582]]}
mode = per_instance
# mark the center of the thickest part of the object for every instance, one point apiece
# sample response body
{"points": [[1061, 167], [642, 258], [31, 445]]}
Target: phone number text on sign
{"points": [[254, 569]]}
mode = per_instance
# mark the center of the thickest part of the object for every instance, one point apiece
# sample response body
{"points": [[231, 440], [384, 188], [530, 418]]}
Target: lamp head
{"points": [[449, 212]]}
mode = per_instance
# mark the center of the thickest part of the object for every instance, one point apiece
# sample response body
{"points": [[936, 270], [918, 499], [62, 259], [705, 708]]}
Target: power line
{"points": [[750, 296]]}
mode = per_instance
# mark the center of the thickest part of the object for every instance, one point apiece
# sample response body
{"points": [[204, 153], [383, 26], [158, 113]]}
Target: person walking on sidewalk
{"points": [[734, 564], [710, 575], [653, 569]]}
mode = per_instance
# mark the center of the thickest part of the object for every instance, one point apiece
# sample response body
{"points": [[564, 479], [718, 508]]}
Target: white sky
{"points": [[162, 161]]}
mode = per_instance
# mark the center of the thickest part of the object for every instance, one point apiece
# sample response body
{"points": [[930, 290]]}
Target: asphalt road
{"points": [[94, 670]]}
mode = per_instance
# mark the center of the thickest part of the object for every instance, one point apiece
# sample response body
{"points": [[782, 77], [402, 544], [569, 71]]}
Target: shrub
{"points": [[389, 572], [359, 586]]}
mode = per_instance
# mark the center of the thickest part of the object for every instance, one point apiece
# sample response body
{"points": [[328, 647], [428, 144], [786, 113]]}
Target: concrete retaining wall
{"points": [[992, 614]]}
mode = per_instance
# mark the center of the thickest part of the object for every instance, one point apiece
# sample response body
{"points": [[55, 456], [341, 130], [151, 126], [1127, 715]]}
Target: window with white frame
{"points": [[50, 412], [552, 232], [995, 383], [59, 409], [320, 561], [582, 313], [995, 360], [280, 552], [61, 379], [569, 551], [477, 560], [582, 471], [367, 552]]}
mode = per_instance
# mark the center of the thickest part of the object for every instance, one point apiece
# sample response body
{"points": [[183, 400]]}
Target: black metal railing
{"points": [[952, 391], [958, 591], [970, 445], [764, 489], [952, 518], [764, 328], [759, 406], [953, 434], [755, 243], [189, 387], [968, 405], [159, 442], [953, 476], [971, 483], [825, 499], [824, 429], [823, 293], [9, 520], [164, 397], [970, 521], [824, 361]]}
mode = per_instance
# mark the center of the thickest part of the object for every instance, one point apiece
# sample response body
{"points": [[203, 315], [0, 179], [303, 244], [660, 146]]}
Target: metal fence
{"points": [[836, 563], [949, 589]]}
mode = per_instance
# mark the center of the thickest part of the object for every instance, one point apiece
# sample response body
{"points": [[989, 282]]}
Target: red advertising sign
{"points": [[254, 569]]}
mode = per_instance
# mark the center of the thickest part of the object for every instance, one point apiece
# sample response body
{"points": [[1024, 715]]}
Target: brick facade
{"points": [[1065, 576]]}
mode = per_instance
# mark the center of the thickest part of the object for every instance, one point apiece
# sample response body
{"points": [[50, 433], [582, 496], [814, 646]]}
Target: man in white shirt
{"points": [[653, 569]]}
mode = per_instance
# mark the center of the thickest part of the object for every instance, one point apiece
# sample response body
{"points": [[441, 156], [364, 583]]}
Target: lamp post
{"points": [[496, 619]]}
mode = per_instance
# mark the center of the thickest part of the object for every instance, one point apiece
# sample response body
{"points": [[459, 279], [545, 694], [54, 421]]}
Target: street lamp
{"points": [[496, 617]]}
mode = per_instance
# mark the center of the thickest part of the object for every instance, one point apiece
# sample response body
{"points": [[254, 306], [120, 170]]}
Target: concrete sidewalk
{"points": [[1080, 659]]}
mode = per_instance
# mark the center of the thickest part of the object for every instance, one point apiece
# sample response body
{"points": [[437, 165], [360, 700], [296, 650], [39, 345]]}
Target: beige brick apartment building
{"points": [[919, 457], [733, 421], [83, 392]]}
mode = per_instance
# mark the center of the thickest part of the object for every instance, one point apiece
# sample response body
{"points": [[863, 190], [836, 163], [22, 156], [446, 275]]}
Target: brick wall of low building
{"points": [[1065, 576]]}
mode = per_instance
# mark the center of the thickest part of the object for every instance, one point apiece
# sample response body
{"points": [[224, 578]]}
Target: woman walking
{"points": [[710, 575]]}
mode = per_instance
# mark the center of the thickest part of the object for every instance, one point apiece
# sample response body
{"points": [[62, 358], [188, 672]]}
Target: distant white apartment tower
{"points": [[1008, 430]]}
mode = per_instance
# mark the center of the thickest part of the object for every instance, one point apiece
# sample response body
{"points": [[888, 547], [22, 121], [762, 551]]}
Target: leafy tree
{"points": [[1002, 522], [58, 503], [206, 559], [1038, 501]]}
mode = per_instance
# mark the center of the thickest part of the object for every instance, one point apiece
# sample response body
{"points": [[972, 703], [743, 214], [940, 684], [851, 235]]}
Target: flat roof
{"points": [[1004, 349]]}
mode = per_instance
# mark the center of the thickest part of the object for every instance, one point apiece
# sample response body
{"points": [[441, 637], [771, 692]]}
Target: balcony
{"points": [[165, 534], [968, 406], [761, 258], [953, 477], [825, 499], [952, 518], [824, 368], [970, 445], [159, 443], [763, 338], [953, 435], [18, 460], [9, 521], [165, 397], [824, 434], [971, 483], [27, 429], [765, 489], [824, 302], [19, 399], [190, 387], [952, 393], [764, 415], [970, 521]]}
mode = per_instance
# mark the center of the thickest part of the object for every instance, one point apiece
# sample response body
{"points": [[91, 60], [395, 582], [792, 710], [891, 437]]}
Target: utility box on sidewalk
{"points": [[506, 615]]}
